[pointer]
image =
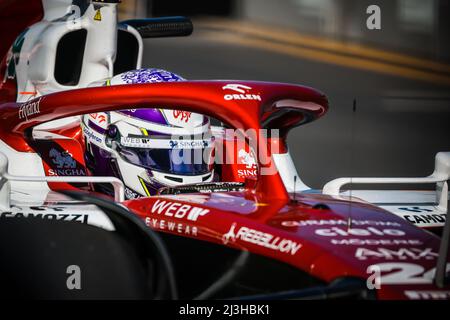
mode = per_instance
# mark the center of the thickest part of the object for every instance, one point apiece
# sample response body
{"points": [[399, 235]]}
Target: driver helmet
{"points": [[148, 148]]}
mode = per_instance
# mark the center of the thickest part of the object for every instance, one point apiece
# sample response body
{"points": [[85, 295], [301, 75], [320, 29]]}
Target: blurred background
{"points": [[398, 76]]}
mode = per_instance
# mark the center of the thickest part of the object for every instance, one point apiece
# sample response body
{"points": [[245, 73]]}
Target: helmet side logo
{"points": [[65, 164], [173, 144]]}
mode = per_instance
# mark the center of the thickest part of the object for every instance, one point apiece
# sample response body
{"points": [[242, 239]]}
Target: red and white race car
{"points": [[256, 215]]}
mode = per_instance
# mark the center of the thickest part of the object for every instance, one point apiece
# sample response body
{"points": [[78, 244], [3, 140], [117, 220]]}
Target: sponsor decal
{"points": [[174, 227], [362, 232], [242, 92], [65, 164], [76, 213], [194, 198], [91, 135], [13, 56], [98, 15], [188, 144], [405, 273], [130, 194], [183, 115], [427, 295], [244, 173], [375, 242], [262, 239], [248, 160], [398, 253], [29, 109], [99, 117], [338, 223], [149, 76], [425, 219], [142, 142], [83, 218], [178, 210], [62, 159]]}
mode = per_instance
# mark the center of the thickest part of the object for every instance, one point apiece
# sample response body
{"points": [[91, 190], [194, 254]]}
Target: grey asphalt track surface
{"points": [[397, 129]]}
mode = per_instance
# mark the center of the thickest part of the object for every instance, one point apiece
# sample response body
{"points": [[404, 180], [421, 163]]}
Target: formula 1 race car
{"points": [[74, 103]]}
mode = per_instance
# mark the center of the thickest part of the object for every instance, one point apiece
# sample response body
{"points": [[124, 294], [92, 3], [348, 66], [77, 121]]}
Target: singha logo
{"points": [[183, 115], [63, 160], [247, 159], [99, 117]]}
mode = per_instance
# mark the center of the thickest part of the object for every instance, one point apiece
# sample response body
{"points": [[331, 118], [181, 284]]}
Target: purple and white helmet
{"points": [[149, 148]]}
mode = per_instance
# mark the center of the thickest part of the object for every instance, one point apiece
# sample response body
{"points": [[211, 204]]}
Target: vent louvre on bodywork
{"points": [[69, 57], [127, 52]]}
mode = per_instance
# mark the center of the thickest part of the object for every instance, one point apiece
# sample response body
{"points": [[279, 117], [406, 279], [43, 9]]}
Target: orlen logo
{"points": [[336, 231], [178, 210], [242, 91]]}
